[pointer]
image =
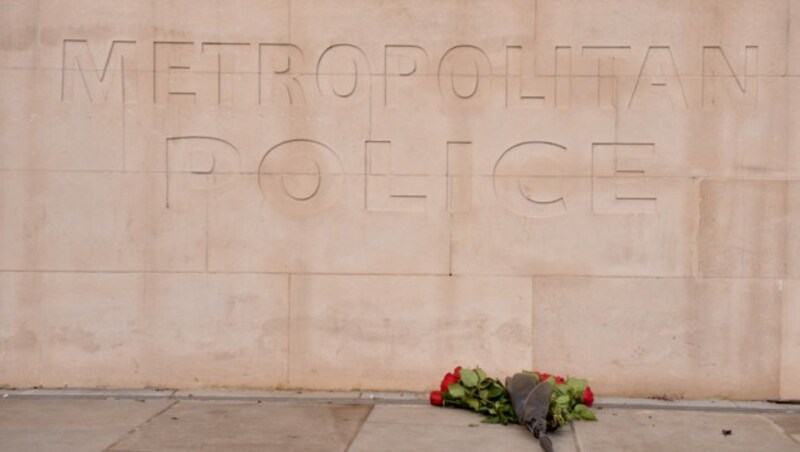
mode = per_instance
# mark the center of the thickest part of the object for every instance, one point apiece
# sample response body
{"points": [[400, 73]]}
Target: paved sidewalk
{"points": [[218, 420]]}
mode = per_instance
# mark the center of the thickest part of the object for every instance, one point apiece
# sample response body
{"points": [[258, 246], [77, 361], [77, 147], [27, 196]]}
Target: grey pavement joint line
{"points": [[139, 427], [576, 438], [358, 430], [781, 429]]}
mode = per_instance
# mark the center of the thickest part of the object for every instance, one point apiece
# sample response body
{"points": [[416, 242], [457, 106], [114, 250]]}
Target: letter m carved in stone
{"points": [[113, 80]]}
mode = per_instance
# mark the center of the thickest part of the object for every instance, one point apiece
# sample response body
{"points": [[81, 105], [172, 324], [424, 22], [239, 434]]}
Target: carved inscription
{"points": [[528, 179], [300, 176], [101, 79], [199, 163], [619, 179], [207, 73], [460, 73], [305, 176]]}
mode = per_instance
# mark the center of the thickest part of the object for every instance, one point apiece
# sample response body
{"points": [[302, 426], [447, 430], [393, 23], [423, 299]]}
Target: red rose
{"points": [[436, 398], [544, 376], [447, 381], [457, 372], [559, 380], [588, 396]]}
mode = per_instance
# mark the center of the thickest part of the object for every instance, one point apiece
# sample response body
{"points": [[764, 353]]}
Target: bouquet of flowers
{"points": [[472, 389]]}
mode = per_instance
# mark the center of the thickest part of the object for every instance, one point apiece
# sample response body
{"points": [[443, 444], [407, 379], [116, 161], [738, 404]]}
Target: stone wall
{"points": [[342, 194]]}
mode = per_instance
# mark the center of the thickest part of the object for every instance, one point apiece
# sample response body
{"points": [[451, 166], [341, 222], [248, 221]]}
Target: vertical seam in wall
{"points": [[695, 246], [781, 289], [786, 205], [535, 28], [206, 232], [533, 303], [448, 206], [369, 106], [450, 243], [788, 41], [122, 75], [39, 36], [288, 329], [781, 338]]}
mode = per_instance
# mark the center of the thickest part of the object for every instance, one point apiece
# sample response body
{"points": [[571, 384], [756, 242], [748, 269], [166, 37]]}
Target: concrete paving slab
{"points": [[670, 430], [70, 424], [400, 428], [248, 426]]}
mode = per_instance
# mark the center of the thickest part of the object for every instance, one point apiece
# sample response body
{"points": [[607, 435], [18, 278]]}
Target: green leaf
{"points": [[495, 391], [469, 377], [481, 373], [456, 390], [583, 412], [578, 384], [484, 394], [563, 399], [473, 403]]}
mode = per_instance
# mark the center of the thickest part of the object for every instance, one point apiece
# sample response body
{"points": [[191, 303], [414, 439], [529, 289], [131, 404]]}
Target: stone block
{"points": [[410, 329], [790, 342], [234, 333], [669, 337], [577, 225], [627, 31], [132, 329], [742, 229], [96, 221]]}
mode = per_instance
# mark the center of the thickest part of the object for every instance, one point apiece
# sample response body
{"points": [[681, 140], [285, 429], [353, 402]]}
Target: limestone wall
{"points": [[350, 194]]}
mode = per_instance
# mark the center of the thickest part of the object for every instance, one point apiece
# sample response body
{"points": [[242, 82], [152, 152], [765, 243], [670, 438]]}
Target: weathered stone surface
{"points": [[234, 333], [405, 326], [661, 333], [171, 171], [742, 230], [790, 341], [794, 39]]}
